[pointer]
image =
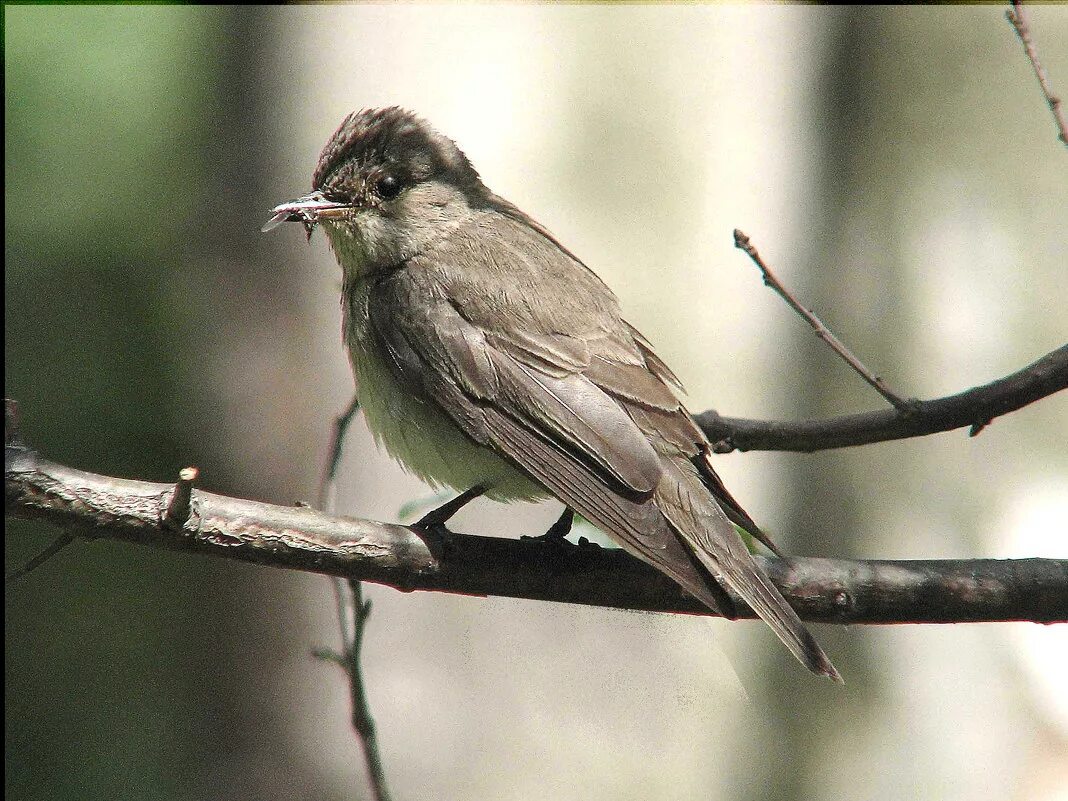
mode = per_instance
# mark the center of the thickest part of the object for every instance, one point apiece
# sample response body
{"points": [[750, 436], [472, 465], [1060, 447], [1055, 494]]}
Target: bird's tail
{"points": [[702, 525], [749, 581]]}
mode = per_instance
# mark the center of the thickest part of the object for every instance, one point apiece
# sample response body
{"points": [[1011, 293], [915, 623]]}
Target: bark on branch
{"points": [[822, 590]]}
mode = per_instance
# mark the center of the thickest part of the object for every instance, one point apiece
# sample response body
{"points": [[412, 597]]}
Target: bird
{"points": [[489, 359]]}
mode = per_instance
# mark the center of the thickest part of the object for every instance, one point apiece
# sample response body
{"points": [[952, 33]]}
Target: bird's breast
{"points": [[413, 429]]}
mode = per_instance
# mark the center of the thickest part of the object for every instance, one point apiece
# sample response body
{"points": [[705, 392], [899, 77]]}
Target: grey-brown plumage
{"points": [[486, 353]]}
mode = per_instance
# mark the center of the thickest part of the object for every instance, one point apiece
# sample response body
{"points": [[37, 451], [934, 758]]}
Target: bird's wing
{"points": [[678, 424], [561, 430], [589, 420]]}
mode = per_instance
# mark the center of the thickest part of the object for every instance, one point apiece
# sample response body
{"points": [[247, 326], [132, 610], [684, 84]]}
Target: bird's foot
{"points": [[558, 531], [433, 522], [435, 519]]}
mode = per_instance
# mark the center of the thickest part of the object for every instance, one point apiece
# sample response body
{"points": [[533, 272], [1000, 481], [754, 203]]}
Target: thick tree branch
{"points": [[975, 408], [824, 590]]}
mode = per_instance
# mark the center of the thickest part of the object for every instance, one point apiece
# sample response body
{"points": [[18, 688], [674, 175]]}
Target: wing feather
{"points": [[571, 408]]}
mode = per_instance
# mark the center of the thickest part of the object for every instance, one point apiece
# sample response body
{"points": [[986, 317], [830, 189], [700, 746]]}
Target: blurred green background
{"points": [[897, 165], [105, 164]]}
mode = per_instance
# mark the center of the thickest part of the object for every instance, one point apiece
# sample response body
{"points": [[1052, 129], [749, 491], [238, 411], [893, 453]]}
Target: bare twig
{"points": [[352, 614], [15, 451], [974, 408], [822, 590], [328, 484], [34, 562], [1019, 19], [742, 242], [180, 506], [328, 503]]}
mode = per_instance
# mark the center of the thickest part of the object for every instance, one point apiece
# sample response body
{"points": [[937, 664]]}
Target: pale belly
{"points": [[419, 435]]}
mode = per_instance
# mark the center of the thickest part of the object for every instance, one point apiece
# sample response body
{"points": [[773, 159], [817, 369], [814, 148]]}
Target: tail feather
{"points": [[765, 599], [702, 525]]}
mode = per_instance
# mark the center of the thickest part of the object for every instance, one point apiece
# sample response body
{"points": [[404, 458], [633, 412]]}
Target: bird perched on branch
{"points": [[489, 359]]}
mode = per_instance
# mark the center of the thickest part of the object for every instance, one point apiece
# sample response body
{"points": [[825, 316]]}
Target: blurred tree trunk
{"points": [[246, 428], [911, 264], [821, 507]]}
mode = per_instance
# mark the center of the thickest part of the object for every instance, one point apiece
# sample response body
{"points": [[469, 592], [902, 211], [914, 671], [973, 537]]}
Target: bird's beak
{"points": [[309, 210]]}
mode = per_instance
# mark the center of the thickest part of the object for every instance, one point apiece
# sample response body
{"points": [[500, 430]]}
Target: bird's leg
{"points": [[562, 527], [437, 518], [558, 530]]}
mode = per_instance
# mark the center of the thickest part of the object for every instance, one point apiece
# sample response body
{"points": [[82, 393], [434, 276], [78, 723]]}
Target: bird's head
{"points": [[387, 185]]}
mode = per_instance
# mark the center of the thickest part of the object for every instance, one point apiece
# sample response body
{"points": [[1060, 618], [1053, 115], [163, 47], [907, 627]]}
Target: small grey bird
{"points": [[489, 359]]}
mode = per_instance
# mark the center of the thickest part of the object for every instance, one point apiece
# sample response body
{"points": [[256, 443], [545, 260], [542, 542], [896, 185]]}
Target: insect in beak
{"points": [[308, 210]]}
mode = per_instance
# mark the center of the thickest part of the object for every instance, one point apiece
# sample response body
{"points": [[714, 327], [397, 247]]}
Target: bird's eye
{"points": [[388, 186]]}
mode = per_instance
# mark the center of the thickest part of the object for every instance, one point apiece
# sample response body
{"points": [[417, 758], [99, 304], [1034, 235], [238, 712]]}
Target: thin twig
{"points": [[974, 408], [1017, 16], [54, 547], [181, 504], [328, 504], [362, 720], [352, 614], [742, 242], [328, 484]]}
